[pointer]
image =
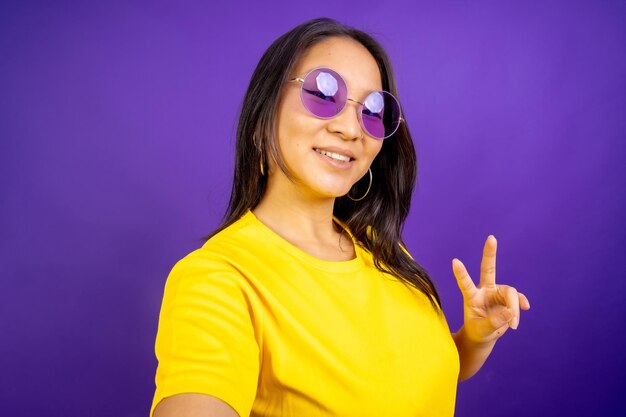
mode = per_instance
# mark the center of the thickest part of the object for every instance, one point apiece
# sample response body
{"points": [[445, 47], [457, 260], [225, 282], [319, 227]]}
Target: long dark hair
{"points": [[376, 221]]}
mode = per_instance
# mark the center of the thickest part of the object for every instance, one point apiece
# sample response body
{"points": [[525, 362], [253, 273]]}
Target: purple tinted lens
{"points": [[380, 114], [324, 93]]}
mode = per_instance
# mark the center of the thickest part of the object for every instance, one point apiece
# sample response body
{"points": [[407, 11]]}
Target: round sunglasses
{"points": [[324, 94]]}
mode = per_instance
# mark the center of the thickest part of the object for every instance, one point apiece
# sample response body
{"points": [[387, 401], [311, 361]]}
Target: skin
{"points": [[489, 310], [300, 210]]}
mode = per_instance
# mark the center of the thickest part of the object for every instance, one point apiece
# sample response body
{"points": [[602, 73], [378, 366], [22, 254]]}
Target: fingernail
{"points": [[514, 323]]}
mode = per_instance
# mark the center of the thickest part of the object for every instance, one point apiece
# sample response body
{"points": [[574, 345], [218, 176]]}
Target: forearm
{"points": [[472, 355]]}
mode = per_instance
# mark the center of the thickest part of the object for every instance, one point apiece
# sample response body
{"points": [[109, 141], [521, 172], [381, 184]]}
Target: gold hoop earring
{"points": [[261, 164], [369, 186]]}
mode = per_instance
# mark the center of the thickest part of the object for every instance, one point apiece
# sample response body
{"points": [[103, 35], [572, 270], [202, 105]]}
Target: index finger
{"points": [[488, 263], [466, 285]]}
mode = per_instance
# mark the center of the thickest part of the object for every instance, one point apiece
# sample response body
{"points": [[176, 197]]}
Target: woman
{"points": [[305, 302]]}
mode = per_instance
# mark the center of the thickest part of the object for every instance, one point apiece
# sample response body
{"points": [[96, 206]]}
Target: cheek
{"points": [[290, 117], [374, 148]]}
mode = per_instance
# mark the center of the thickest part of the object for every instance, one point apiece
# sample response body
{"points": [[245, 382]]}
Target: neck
{"points": [[303, 219]]}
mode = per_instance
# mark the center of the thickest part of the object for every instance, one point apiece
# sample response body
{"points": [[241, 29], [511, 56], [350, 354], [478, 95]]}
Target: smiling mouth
{"points": [[333, 155]]}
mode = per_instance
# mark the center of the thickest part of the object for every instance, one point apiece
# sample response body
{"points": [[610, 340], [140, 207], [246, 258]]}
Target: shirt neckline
{"points": [[348, 266]]}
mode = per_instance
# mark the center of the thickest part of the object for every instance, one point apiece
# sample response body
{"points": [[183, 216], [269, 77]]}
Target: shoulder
{"points": [[220, 257], [240, 234]]}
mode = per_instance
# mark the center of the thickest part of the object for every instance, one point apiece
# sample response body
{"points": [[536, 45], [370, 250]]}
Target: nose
{"points": [[346, 124]]}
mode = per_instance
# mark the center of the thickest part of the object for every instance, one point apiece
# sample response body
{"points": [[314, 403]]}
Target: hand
{"points": [[489, 310]]}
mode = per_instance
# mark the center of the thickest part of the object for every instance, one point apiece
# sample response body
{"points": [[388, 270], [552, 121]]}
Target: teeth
{"points": [[334, 155]]}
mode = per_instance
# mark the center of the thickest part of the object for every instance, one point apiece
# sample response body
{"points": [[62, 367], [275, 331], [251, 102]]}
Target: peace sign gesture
{"points": [[489, 309]]}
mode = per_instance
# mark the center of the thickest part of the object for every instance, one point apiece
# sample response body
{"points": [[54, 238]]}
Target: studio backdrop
{"points": [[117, 124]]}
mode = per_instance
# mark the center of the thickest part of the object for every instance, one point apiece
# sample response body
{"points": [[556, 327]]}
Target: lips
{"points": [[339, 155]]}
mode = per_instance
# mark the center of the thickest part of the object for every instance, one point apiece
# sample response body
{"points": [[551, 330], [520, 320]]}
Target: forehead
{"points": [[346, 56]]}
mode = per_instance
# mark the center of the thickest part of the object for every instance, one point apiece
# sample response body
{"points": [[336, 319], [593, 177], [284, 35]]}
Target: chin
{"points": [[332, 187], [334, 192]]}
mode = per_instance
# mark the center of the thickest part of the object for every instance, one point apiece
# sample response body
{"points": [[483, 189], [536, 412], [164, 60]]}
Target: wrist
{"points": [[472, 352], [474, 343]]}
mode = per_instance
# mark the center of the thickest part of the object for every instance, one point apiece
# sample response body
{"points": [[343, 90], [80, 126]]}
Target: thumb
{"points": [[501, 319]]}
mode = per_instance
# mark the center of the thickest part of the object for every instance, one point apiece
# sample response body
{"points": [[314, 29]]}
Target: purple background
{"points": [[116, 145]]}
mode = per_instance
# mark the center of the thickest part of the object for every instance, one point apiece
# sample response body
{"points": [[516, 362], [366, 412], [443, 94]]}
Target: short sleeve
{"points": [[206, 341]]}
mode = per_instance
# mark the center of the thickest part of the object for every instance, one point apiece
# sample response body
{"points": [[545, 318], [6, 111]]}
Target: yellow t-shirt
{"points": [[272, 331]]}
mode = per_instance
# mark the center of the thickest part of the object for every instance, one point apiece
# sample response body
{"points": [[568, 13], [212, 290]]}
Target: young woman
{"points": [[305, 301]]}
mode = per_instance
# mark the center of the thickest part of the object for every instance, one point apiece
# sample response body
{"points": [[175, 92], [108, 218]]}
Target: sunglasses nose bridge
{"points": [[359, 109], [351, 128]]}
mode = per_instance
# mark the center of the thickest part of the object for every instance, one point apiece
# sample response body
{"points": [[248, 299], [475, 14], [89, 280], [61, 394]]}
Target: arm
{"points": [[208, 356], [489, 310], [193, 405], [472, 355]]}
